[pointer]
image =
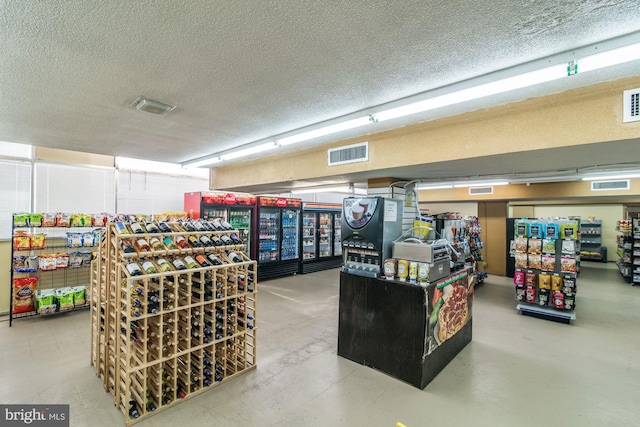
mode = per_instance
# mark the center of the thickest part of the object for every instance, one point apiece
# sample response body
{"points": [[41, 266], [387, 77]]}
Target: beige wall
{"points": [[466, 208], [581, 116], [609, 214]]}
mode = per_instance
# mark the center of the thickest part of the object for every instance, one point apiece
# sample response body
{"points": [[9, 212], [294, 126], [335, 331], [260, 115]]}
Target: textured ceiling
{"points": [[244, 71]]}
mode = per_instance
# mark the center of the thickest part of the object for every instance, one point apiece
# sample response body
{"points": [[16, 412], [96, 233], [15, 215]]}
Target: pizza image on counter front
{"points": [[453, 313]]}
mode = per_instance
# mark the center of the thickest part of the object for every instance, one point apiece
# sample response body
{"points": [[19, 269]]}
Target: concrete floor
{"points": [[517, 371]]}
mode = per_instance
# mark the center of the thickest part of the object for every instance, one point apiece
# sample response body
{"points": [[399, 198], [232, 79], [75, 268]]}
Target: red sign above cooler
{"points": [[279, 202], [228, 199]]}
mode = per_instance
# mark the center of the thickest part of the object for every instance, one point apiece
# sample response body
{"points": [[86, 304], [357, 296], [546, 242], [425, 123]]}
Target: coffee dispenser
{"points": [[369, 226]]}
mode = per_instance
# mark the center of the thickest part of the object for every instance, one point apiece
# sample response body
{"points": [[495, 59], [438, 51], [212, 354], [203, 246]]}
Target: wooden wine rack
{"points": [[201, 331]]}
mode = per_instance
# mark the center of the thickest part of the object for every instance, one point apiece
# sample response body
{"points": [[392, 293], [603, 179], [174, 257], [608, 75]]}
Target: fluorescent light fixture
{"points": [[326, 130], [249, 151], [434, 187], [609, 58], [16, 151], [493, 88], [481, 184], [610, 177], [127, 163], [204, 162], [330, 189]]}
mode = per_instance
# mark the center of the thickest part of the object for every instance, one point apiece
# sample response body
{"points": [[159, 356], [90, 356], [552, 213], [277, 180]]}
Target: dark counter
{"points": [[385, 325]]}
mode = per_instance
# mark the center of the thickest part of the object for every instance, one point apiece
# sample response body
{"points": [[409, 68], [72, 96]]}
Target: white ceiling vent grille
{"points": [[348, 154], [475, 191], [631, 106], [151, 106], [622, 184]]}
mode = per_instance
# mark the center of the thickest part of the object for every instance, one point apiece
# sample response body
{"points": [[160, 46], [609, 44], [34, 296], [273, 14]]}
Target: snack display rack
{"points": [[546, 267], [591, 241], [172, 329], [625, 240], [50, 265]]}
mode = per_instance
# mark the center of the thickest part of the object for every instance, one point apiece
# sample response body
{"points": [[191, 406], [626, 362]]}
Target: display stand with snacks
{"points": [[50, 258], [626, 249], [173, 312], [591, 248], [546, 267]]}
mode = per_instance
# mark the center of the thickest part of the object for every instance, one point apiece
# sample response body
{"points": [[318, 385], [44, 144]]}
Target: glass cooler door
{"points": [[337, 237], [325, 235], [308, 235], [290, 227], [268, 249]]}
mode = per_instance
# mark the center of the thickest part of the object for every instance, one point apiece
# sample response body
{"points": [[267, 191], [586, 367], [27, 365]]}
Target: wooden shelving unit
{"points": [[166, 336]]}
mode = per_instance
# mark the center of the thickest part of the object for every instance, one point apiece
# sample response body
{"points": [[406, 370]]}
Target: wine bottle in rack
{"points": [[178, 264], [187, 226], [202, 260], [156, 244], [217, 225], [148, 267], [151, 403], [151, 228], [126, 246], [226, 240], [197, 225], [133, 268], [235, 257], [214, 259], [169, 243], [190, 262], [182, 242], [226, 225], [207, 225], [235, 239], [136, 228], [133, 409], [164, 227], [194, 242]]}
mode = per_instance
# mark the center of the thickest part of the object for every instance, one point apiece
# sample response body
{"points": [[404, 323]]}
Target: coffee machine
{"points": [[369, 226]]}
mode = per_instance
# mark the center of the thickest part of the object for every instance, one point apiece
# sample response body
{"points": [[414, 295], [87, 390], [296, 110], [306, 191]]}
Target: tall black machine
{"points": [[369, 226]]}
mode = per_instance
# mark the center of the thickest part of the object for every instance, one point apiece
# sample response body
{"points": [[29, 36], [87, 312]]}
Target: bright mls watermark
{"points": [[34, 415]]}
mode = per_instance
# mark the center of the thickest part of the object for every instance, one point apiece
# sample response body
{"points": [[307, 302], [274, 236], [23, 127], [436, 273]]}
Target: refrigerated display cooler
{"points": [[236, 208], [321, 242], [277, 235]]}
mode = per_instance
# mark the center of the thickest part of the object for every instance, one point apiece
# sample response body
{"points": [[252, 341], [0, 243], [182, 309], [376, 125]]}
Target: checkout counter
{"points": [[407, 330]]}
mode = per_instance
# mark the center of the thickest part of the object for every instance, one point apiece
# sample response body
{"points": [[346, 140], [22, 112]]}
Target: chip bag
{"points": [[78, 295], [46, 301], [24, 289], [65, 298]]}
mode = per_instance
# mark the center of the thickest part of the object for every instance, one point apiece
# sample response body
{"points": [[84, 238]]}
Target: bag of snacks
{"points": [[38, 241], [63, 219], [521, 260], [75, 259], [46, 301], [549, 246], [543, 296], [21, 219], [521, 244], [530, 279], [544, 281], [74, 240], [48, 220], [78, 295], [47, 262], [35, 220], [65, 298], [24, 290], [62, 260], [556, 283], [535, 261], [568, 265], [86, 258], [88, 239], [21, 241], [518, 277], [549, 262], [535, 246]]}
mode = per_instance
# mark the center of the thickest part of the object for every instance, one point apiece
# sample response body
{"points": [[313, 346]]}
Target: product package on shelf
{"points": [[173, 311], [546, 265]]}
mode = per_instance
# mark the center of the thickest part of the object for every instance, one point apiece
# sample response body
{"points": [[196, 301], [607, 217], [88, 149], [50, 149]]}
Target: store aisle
{"points": [[518, 370]]}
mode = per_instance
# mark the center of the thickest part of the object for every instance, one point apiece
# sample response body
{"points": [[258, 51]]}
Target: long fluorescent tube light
{"points": [[610, 177], [609, 58], [493, 88], [127, 163], [248, 151], [481, 184], [204, 162], [326, 130], [434, 187], [11, 149]]}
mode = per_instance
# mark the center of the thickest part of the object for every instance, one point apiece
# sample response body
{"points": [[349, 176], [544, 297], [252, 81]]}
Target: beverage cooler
{"points": [[321, 237], [236, 208], [277, 236]]}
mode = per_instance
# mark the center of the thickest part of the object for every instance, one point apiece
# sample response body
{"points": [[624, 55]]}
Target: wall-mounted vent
{"points": [[631, 106], [622, 184], [348, 154], [474, 191]]}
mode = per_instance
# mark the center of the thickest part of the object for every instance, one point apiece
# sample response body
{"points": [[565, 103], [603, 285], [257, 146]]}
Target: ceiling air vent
{"points": [[474, 191], [622, 184], [151, 106], [348, 154], [631, 106]]}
